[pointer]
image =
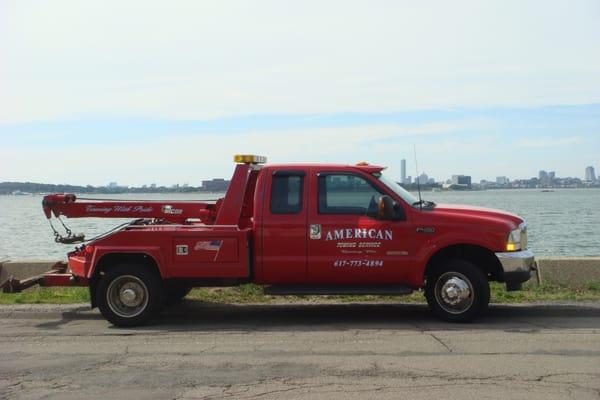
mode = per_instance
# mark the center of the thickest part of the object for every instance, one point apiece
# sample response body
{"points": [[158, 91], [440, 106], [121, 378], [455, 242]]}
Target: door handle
{"points": [[315, 231]]}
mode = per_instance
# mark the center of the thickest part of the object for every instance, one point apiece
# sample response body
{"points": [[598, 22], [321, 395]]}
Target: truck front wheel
{"points": [[457, 291], [129, 295]]}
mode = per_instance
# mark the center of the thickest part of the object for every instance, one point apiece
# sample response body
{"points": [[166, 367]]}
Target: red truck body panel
{"points": [[178, 251], [242, 236]]}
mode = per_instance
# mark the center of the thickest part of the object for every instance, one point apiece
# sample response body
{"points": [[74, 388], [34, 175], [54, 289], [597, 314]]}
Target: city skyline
{"points": [[544, 176]]}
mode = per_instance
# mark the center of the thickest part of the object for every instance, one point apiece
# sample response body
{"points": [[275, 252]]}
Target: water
{"points": [[26, 235], [565, 222], [561, 223]]}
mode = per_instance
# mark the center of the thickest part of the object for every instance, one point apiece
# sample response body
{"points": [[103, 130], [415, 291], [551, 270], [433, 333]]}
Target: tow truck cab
{"points": [[306, 229], [351, 225]]}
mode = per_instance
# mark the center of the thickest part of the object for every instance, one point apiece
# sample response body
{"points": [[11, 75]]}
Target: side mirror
{"points": [[389, 209]]}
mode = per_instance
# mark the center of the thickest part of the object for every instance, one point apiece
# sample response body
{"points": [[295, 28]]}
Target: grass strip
{"points": [[251, 293]]}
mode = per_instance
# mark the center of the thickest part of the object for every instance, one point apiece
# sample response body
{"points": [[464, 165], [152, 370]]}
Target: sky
{"points": [[165, 92]]}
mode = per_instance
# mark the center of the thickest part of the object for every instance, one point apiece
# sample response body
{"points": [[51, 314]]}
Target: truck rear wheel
{"points": [[129, 295], [458, 291]]}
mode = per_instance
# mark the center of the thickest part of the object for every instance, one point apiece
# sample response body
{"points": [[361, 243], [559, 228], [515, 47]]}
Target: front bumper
{"points": [[517, 266]]}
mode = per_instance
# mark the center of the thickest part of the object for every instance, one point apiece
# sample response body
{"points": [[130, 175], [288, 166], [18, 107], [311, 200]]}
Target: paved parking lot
{"points": [[314, 351]]}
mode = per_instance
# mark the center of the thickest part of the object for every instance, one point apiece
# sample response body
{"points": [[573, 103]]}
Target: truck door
{"points": [[284, 227], [347, 243]]}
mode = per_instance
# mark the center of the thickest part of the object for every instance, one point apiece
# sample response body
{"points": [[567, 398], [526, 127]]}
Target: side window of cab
{"points": [[286, 192], [346, 194]]}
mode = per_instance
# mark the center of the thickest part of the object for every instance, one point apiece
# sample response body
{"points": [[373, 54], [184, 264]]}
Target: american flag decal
{"points": [[211, 245]]}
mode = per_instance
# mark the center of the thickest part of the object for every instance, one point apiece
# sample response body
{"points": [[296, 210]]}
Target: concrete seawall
{"points": [[570, 271], [23, 269]]}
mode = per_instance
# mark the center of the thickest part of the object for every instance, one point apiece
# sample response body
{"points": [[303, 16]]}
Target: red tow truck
{"points": [[295, 229]]}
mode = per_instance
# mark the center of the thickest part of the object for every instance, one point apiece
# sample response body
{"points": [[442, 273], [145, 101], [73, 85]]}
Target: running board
{"points": [[301, 290]]}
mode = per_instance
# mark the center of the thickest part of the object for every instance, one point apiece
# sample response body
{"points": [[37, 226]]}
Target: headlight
{"points": [[517, 238], [514, 240]]}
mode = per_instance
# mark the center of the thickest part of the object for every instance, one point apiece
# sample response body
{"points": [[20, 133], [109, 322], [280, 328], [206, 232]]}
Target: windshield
{"points": [[399, 190]]}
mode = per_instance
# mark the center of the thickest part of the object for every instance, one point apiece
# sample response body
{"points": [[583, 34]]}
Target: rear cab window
{"points": [[286, 192]]}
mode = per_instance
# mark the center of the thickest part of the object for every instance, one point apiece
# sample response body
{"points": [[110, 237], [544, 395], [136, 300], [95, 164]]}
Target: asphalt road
{"points": [[313, 351]]}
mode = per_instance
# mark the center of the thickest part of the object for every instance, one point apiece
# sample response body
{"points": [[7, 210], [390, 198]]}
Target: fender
{"points": [[487, 240], [153, 252]]}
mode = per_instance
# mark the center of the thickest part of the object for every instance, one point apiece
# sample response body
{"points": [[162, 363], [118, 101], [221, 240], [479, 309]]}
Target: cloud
{"points": [[549, 142], [198, 60], [193, 157]]}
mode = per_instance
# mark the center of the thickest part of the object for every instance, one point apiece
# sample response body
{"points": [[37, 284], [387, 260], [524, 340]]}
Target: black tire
{"points": [[174, 294], [116, 301], [457, 291]]}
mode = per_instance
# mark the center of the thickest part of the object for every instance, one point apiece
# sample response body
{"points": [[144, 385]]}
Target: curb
{"points": [[83, 310]]}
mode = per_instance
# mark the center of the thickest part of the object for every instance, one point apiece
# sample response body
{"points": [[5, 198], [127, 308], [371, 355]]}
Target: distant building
{"points": [[502, 180], [403, 171], [153, 186], [113, 185], [461, 180], [485, 184], [544, 178], [422, 179], [590, 174], [215, 185]]}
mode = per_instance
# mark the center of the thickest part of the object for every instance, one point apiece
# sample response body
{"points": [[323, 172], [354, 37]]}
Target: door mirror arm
{"points": [[399, 214], [389, 209]]}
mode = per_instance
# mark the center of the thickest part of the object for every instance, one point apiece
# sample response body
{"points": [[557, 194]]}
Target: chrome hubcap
{"points": [[454, 292], [127, 296]]}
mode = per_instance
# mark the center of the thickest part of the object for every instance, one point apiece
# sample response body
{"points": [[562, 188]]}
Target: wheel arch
{"points": [[482, 257], [110, 260]]}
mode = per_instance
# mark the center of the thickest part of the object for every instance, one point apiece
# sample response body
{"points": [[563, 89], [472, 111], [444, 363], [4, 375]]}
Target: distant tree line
{"points": [[30, 187], [413, 187]]}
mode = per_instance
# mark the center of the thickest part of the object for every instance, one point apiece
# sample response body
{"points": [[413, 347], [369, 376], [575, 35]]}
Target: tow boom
{"points": [[173, 211], [225, 211]]}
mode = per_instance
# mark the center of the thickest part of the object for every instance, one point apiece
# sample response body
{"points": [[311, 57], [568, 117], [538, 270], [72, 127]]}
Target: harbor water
{"points": [[564, 222]]}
